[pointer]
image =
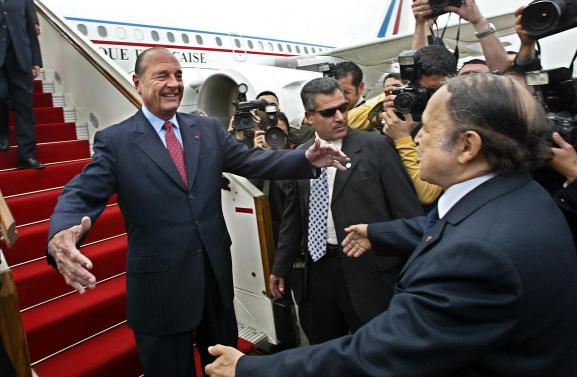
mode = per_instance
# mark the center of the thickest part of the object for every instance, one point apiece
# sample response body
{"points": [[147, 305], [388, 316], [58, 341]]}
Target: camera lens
{"points": [[541, 16], [275, 137], [404, 102]]}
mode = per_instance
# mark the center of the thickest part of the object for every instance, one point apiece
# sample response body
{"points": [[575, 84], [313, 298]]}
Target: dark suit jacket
{"points": [[19, 16], [492, 292], [169, 226], [375, 188]]}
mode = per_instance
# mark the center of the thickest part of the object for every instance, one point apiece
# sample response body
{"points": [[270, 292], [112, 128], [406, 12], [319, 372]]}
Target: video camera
{"points": [[413, 97], [559, 92], [542, 18], [328, 70], [244, 118], [438, 5]]}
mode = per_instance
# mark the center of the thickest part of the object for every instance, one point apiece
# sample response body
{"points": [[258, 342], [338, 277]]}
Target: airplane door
{"points": [[238, 47]]}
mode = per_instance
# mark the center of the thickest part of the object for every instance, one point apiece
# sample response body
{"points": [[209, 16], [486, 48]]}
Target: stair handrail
{"points": [[83, 45], [7, 223]]}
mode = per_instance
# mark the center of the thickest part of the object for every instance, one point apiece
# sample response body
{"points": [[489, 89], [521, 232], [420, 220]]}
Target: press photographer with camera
{"points": [[426, 10], [425, 69]]}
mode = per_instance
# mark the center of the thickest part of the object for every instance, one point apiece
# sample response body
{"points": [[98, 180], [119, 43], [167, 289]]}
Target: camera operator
{"points": [[433, 65], [276, 191], [246, 135], [494, 52]]}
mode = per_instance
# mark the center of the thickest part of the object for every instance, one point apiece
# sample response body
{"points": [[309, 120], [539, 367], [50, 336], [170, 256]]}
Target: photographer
{"points": [[494, 52], [276, 191], [243, 125], [433, 65]]}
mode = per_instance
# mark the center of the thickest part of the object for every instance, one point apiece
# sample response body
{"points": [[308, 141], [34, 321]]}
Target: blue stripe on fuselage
{"points": [[387, 20]]}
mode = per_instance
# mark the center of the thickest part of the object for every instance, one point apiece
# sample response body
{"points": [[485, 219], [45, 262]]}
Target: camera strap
{"points": [[573, 62]]}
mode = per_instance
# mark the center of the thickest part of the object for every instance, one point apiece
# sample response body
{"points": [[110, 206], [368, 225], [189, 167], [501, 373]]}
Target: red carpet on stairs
{"points": [[69, 335], [54, 317]]}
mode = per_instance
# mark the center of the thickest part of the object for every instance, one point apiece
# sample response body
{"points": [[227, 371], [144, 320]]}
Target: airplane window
{"points": [[102, 31], [306, 49], [199, 39], [237, 43], [279, 47], [82, 28], [154, 35], [185, 38], [170, 36], [298, 49], [314, 50], [218, 41], [250, 44], [260, 45], [270, 46], [121, 33], [288, 47], [138, 34]]}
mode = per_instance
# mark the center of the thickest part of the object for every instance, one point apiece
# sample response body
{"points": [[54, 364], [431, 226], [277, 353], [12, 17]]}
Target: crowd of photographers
{"points": [[396, 114]]}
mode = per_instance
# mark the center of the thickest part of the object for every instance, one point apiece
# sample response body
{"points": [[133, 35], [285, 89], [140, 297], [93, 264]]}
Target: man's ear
{"points": [[308, 118], [136, 81], [469, 144], [361, 88]]}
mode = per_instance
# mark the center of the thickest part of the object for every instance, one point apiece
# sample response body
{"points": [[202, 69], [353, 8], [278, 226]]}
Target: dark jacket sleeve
{"points": [[397, 236], [31, 20], [290, 234], [447, 314], [566, 199]]}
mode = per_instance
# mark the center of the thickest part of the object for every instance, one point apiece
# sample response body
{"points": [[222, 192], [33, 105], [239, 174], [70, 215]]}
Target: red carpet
{"points": [[73, 335]]}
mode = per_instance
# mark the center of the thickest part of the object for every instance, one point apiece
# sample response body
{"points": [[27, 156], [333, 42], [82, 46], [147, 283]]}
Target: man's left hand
{"points": [[468, 11], [225, 364], [395, 127], [564, 158], [326, 155], [35, 71]]}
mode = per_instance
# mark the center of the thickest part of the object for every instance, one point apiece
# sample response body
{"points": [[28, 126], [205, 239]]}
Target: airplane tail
{"points": [[397, 18]]}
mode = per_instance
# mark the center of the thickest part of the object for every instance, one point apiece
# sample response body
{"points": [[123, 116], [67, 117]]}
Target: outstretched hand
{"points": [[71, 263], [326, 155], [225, 363], [356, 243]]}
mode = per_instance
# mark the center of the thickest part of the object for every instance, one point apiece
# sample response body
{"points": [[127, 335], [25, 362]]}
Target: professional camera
{"points": [[559, 94], [542, 18], [438, 5], [244, 118], [328, 70], [412, 98]]}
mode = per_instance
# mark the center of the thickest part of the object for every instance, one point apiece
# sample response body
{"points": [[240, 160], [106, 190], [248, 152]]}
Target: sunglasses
{"points": [[329, 113]]}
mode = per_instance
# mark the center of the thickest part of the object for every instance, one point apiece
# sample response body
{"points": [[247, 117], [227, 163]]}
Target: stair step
{"points": [[112, 354], [42, 100], [49, 132], [44, 115], [36, 206], [32, 238], [75, 317], [13, 182], [38, 282], [50, 152], [37, 86]]}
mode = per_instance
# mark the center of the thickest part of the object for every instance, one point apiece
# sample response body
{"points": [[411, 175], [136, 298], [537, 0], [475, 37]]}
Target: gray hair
{"points": [[511, 123], [321, 85]]}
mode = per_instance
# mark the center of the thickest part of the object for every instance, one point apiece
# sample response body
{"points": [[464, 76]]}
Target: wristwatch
{"points": [[485, 33]]}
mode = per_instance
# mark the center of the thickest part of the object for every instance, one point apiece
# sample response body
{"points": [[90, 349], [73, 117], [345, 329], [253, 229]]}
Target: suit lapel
{"points": [[352, 148], [191, 144], [428, 241], [305, 184], [148, 141]]}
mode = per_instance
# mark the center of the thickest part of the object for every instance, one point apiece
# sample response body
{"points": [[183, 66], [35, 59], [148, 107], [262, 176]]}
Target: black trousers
{"points": [[172, 355], [328, 311], [16, 92]]}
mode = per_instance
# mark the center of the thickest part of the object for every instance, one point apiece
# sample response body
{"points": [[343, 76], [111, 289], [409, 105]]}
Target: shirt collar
{"points": [[155, 121], [456, 192]]}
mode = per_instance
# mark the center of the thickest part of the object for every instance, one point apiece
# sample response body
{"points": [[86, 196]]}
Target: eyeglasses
{"points": [[329, 113]]}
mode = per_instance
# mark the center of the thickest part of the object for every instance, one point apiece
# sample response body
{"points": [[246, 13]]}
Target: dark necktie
{"points": [[318, 214], [175, 150], [432, 218]]}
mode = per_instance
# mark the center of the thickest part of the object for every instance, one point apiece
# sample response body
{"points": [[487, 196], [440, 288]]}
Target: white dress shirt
{"points": [[331, 172], [456, 192]]}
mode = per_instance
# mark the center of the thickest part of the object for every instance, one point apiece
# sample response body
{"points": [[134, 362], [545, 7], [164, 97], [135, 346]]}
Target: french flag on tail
{"points": [[395, 20]]}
